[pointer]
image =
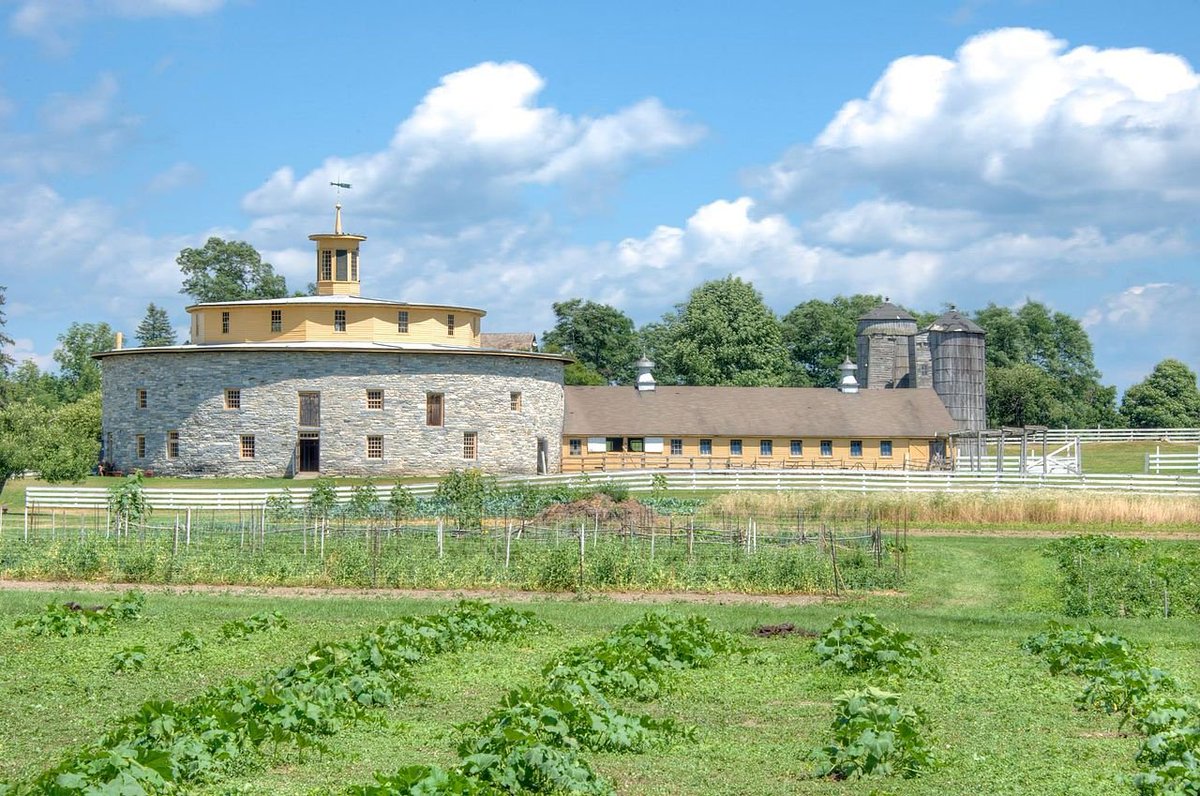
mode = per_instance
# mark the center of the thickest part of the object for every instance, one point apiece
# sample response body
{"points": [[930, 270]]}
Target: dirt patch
{"points": [[506, 595], [785, 629], [598, 506]]}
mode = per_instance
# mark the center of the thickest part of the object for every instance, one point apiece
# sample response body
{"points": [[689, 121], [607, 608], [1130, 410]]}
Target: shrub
{"points": [[873, 733], [862, 643]]}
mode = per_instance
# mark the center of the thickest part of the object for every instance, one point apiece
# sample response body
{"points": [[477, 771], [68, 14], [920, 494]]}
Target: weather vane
{"points": [[340, 186]]}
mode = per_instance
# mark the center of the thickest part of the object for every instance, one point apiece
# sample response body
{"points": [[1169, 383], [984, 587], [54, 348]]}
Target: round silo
{"points": [[885, 338], [958, 355]]}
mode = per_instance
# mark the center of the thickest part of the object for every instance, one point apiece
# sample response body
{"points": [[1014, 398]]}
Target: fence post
{"points": [[507, 545], [583, 546], [440, 537]]}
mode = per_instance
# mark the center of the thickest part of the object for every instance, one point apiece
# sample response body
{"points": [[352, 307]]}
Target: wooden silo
{"points": [[958, 354], [885, 348]]}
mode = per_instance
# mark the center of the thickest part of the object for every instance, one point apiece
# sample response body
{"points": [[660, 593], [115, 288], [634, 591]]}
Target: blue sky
{"points": [[509, 155]]}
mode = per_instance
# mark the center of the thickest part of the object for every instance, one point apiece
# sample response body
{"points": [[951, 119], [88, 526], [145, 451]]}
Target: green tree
{"points": [[600, 337], [66, 443], [655, 343], [820, 334], [16, 426], [228, 271], [726, 334], [79, 373], [28, 383], [1167, 398], [155, 328], [6, 361], [1057, 346]]}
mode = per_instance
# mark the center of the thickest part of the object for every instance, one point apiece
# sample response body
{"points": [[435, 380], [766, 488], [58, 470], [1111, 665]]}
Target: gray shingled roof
{"points": [[755, 411], [955, 321], [508, 341], [887, 311]]}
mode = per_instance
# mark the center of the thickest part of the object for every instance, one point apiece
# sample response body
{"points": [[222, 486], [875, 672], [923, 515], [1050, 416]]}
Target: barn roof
{"points": [[508, 341], [754, 411]]}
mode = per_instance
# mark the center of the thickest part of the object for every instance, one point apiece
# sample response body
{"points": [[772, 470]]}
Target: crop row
{"points": [[532, 742], [167, 745], [873, 730], [72, 619], [1120, 681]]}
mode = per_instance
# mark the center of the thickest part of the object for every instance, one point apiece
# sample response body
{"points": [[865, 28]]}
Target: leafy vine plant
{"points": [[127, 501]]}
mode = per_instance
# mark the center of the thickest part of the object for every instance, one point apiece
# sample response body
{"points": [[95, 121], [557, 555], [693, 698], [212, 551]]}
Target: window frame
{"points": [[375, 400], [224, 321], [614, 444], [141, 398], [514, 400], [139, 442], [402, 322], [735, 447], [276, 320], [471, 445], [246, 449], [796, 447], [635, 445], [313, 395], [706, 447], [676, 446], [233, 398], [326, 265], [856, 448], [435, 409], [375, 447], [354, 265], [450, 324], [173, 444], [766, 448], [826, 448], [885, 449], [574, 447], [339, 320]]}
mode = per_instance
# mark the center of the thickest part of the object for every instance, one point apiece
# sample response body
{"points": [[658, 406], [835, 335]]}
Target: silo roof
{"points": [[955, 321], [887, 311]]}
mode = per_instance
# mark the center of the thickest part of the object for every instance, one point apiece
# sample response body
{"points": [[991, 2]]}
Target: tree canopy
{"points": [[726, 334], [820, 334], [1066, 388], [1167, 398], [6, 361], [600, 337], [228, 271], [155, 328], [79, 374]]}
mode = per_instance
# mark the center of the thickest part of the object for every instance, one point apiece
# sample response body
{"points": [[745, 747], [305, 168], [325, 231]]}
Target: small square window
{"points": [[514, 401], [276, 320], [826, 447], [637, 445], [374, 447], [233, 399], [885, 448], [735, 447], [247, 446], [614, 444], [575, 446], [470, 445], [402, 321], [766, 447], [141, 399], [706, 447], [856, 448], [450, 325], [434, 404], [676, 447], [374, 399], [797, 447], [172, 444], [224, 323], [141, 446], [339, 320]]}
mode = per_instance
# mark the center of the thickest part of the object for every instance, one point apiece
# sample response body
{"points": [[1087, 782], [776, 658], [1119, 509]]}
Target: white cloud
{"points": [[471, 147], [52, 23], [176, 176], [1142, 307], [1145, 324], [1018, 124], [23, 348]]}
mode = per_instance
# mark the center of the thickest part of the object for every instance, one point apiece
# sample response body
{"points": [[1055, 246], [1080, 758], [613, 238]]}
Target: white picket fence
{"points": [[644, 480]]}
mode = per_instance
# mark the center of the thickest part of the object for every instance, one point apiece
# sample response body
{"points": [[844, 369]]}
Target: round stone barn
{"points": [[333, 383]]}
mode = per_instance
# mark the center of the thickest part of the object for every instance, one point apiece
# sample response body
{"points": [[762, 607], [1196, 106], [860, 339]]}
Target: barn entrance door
{"points": [[310, 452]]}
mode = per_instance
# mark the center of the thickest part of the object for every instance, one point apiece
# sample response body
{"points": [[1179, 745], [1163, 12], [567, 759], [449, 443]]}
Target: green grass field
{"points": [[1003, 725], [1126, 457]]}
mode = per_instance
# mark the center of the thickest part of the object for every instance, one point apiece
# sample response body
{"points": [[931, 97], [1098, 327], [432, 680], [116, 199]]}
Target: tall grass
{"points": [[1025, 509]]}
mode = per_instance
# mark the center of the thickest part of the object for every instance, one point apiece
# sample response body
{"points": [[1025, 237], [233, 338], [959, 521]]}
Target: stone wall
{"points": [[185, 392]]}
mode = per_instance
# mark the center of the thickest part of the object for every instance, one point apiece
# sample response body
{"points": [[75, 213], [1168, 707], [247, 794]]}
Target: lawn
{"points": [[1003, 725], [1127, 457]]}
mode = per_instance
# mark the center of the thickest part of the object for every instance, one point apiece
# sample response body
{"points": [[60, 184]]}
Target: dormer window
{"points": [[326, 265]]}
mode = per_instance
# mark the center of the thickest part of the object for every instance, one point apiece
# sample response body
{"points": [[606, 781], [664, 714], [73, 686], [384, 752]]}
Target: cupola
{"points": [[645, 378], [337, 260], [848, 382]]}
